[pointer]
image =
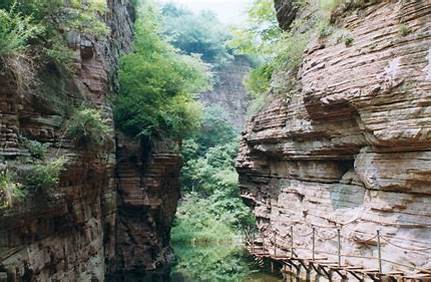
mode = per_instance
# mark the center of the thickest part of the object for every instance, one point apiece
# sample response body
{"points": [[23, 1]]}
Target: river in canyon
{"points": [[209, 263], [217, 262]]}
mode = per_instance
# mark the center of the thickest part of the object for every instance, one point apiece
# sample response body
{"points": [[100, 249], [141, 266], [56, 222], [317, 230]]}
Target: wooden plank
{"points": [[393, 273], [328, 262], [353, 267], [417, 276], [316, 258], [367, 270]]}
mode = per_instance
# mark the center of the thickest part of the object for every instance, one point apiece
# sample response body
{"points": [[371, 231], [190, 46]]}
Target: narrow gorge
{"points": [[129, 132]]}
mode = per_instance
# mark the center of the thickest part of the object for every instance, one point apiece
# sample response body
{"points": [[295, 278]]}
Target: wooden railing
{"points": [[276, 242]]}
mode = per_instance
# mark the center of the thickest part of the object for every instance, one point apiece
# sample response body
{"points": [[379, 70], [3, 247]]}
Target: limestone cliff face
{"points": [[91, 224], [352, 148], [229, 92]]}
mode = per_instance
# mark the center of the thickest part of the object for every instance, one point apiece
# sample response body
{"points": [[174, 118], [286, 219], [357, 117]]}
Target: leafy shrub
{"points": [[281, 51], [89, 130], [348, 40], [405, 30], [210, 262], [212, 207], [10, 190], [15, 32], [44, 177], [36, 149], [195, 224]]}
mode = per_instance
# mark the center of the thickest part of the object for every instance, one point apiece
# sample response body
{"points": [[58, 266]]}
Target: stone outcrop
{"points": [[352, 149], [229, 92], [92, 224], [148, 189], [286, 11]]}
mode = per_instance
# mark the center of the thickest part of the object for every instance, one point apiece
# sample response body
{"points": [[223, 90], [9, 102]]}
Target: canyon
{"points": [[350, 149]]}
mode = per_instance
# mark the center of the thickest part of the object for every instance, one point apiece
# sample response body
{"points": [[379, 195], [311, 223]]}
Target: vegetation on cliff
{"points": [[212, 209], [35, 59], [281, 51], [33, 34], [158, 84]]}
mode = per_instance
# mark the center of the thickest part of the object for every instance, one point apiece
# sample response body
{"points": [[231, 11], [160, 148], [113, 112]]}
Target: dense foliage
{"points": [[211, 214], [42, 177], [16, 30], [157, 84], [201, 33], [216, 262], [211, 209]]}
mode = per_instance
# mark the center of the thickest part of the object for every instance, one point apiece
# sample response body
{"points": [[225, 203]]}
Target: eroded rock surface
{"points": [[352, 149], [148, 189], [91, 225]]}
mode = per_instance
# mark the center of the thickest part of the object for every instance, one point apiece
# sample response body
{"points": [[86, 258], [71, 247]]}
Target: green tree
{"points": [[196, 34], [158, 84]]}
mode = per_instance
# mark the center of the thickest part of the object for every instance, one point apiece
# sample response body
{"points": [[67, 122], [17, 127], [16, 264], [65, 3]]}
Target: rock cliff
{"points": [[229, 92], [110, 212], [352, 148]]}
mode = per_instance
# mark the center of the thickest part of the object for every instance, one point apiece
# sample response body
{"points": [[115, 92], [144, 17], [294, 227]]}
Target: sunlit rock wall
{"points": [[353, 147]]}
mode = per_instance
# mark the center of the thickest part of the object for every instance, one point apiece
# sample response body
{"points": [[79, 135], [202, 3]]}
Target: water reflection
{"points": [[216, 263], [205, 263]]}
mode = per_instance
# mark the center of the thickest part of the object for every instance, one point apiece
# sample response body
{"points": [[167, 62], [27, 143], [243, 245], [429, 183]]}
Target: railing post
{"points": [[314, 244], [379, 251], [339, 246], [275, 242], [291, 241], [253, 241]]}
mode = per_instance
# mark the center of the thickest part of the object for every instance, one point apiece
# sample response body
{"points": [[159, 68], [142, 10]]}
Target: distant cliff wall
{"points": [[229, 92]]}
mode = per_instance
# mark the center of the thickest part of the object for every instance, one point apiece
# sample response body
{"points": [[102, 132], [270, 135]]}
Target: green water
{"points": [[222, 262], [205, 263]]}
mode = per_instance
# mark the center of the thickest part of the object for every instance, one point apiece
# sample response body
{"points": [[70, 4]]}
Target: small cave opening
{"points": [[346, 165]]}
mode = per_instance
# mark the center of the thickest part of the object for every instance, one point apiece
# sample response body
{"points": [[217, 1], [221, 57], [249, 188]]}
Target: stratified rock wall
{"points": [[91, 225], [353, 148], [148, 183]]}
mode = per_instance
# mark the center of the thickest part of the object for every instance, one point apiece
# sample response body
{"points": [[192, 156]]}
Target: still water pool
{"points": [[206, 263], [222, 262]]}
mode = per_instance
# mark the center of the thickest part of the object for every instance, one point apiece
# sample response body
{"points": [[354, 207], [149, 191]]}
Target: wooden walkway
{"points": [[331, 270], [318, 265]]}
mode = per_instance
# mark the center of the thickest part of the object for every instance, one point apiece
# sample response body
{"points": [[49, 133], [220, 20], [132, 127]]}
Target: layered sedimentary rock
{"points": [[148, 190], [229, 92], [84, 229], [352, 149]]}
